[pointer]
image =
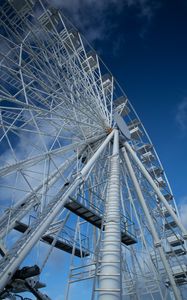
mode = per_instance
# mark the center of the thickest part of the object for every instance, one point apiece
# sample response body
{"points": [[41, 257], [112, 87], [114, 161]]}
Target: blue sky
{"points": [[144, 44]]}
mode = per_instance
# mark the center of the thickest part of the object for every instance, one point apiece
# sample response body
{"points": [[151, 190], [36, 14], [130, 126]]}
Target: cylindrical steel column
{"points": [[110, 268], [154, 233]]}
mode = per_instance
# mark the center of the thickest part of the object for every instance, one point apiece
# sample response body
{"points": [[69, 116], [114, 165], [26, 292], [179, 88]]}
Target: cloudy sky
{"points": [[144, 44]]}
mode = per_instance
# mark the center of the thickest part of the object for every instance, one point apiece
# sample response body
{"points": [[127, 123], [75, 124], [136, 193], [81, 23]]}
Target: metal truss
{"points": [[78, 170]]}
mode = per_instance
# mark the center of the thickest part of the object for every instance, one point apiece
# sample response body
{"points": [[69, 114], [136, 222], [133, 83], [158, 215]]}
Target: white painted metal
{"points": [[110, 267], [122, 126], [32, 235], [56, 102], [18, 211], [157, 191], [156, 276], [155, 236], [33, 160]]}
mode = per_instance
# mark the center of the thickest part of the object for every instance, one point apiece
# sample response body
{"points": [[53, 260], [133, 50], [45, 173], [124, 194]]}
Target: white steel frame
{"points": [[59, 141]]}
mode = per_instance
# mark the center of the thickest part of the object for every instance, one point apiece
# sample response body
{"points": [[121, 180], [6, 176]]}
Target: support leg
{"points": [[156, 189], [110, 272], [155, 236]]}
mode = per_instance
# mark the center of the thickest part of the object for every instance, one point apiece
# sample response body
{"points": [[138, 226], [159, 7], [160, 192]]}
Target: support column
{"points": [[156, 189], [22, 247], [152, 228], [110, 268]]}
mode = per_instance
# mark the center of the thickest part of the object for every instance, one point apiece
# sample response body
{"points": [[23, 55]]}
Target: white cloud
{"points": [[117, 43], [181, 115], [147, 8], [91, 16]]}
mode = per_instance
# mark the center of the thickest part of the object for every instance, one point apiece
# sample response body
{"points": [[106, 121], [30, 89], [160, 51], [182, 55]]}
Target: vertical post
{"points": [[110, 268], [154, 233]]}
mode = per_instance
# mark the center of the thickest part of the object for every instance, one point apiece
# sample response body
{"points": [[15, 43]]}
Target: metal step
{"points": [[127, 238], [180, 274], [85, 213], [175, 240], [9, 218], [94, 216], [178, 250], [170, 225], [61, 244]]}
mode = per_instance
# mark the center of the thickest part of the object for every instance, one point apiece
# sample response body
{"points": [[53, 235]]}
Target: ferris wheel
{"points": [[78, 171]]}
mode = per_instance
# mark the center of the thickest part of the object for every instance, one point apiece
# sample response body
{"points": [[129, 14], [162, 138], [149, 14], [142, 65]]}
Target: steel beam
{"points": [[110, 268], [156, 189], [152, 228], [22, 207], [22, 247]]}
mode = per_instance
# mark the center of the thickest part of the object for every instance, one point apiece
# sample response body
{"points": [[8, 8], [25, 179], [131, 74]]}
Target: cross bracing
{"points": [[71, 176]]}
